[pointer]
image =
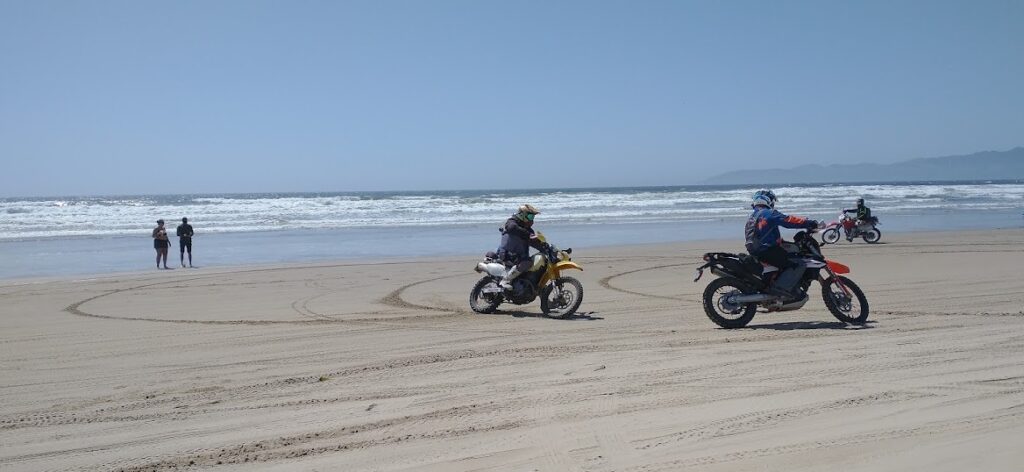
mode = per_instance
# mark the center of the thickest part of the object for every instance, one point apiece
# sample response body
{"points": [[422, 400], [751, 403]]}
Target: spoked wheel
{"points": [[852, 308], [872, 236], [830, 236], [561, 298], [485, 296], [721, 310]]}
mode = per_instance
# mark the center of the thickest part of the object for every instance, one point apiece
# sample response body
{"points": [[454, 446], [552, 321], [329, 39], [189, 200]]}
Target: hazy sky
{"points": [[112, 97]]}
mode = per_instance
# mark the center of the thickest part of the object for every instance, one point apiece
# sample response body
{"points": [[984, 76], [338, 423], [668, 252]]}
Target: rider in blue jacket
{"points": [[763, 239]]}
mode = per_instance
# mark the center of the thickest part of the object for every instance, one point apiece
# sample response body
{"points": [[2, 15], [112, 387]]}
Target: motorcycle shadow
{"points": [[588, 316], [795, 325]]}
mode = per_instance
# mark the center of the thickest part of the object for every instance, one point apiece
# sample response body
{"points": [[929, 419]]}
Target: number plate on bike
{"points": [[697, 274]]}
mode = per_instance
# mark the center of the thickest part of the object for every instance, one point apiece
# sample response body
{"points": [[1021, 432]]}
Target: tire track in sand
{"points": [[1003, 417], [301, 307], [394, 299], [606, 282], [76, 309]]}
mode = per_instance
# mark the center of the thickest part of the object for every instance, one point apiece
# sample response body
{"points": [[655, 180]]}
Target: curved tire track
{"points": [[394, 299], [606, 282], [76, 309]]}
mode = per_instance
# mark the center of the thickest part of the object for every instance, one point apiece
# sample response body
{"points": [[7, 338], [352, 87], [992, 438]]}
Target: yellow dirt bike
{"points": [[560, 296]]}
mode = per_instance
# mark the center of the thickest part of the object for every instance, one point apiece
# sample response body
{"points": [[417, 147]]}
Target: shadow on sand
{"points": [[795, 325], [578, 316]]}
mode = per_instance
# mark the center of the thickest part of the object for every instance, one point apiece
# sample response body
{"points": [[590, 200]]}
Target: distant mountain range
{"points": [[987, 165]]}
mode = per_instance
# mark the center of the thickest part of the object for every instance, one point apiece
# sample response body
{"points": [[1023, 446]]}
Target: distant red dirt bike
{"points": [[852, 228]]}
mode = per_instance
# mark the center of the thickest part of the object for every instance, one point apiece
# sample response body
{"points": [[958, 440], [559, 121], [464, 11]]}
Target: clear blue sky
{"points": [[121, 97]]}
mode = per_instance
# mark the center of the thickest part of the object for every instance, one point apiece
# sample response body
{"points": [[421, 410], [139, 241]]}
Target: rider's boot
{"points": [[506, 282]]}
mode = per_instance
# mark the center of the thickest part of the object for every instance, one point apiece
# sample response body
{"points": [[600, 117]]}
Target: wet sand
{"points": [[381, 366]]}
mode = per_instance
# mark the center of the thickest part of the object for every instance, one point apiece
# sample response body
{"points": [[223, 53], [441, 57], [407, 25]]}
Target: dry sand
{"points": [[382, 367]]}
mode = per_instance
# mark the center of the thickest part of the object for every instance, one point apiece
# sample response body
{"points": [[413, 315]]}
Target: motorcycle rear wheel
{"points": [[720, 311], [570, 296], [872, 236], [852, 310], [482, 302], [830, 236]]}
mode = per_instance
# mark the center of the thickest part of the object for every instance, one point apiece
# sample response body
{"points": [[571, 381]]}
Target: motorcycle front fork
{"points": [[556, 290], [838, 282]]}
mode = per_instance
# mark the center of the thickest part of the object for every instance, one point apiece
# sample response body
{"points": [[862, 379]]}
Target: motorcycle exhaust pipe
{"points": [[752, 298], [493, 269]]}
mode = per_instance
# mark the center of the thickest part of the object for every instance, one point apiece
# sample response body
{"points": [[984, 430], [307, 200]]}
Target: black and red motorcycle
{"points": [[743, 285]]}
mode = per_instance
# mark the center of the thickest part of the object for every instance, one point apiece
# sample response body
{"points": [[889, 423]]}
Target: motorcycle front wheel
{"points": [[482, 302], [830, 236], [561, 298], [872, 236], [723, 312], [852, 310]]}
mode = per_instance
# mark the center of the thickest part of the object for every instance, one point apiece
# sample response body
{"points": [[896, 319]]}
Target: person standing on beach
{"points": [[160, 243], [185, 240]]}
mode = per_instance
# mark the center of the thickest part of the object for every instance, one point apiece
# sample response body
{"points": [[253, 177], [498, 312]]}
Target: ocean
{"points": [[57, 236]]}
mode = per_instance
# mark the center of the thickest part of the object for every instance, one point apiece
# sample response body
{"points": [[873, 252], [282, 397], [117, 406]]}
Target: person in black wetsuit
{"points": [[160, 243], [517, 236], [185, 240]]}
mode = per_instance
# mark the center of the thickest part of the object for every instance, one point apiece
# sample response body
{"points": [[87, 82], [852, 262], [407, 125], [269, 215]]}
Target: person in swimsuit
{"points": [[185, 241], [160, 243]]}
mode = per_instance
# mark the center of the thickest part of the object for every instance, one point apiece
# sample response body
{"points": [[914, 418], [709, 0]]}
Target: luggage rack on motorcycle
{"points": [[741, 256], [739, 265], [709, 256]]}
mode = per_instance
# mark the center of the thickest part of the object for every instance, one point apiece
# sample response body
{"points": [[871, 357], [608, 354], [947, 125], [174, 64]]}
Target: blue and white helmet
{"points": [[763, 197]]}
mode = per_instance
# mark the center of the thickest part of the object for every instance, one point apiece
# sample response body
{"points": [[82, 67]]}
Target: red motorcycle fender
{"points": [[837, 267]]}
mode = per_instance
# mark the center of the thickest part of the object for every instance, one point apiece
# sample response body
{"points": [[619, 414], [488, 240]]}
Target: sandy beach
{"points": [[382, 366]]}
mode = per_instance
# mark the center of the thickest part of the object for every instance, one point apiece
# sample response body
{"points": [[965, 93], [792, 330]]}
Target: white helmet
{"points": [[763, 198]]}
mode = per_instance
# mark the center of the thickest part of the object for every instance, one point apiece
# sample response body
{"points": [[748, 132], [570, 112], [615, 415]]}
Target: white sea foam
{"points": [[111, 216]]}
